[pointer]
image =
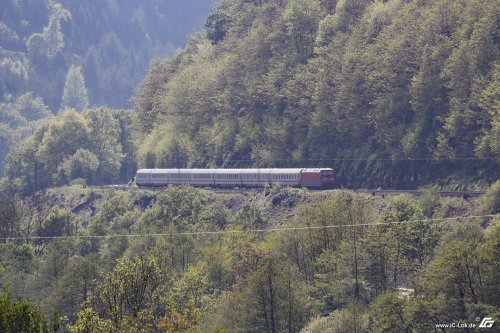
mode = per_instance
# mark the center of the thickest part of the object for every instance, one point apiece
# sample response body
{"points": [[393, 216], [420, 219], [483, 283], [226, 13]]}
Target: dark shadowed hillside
{"points": [[113, 41]]}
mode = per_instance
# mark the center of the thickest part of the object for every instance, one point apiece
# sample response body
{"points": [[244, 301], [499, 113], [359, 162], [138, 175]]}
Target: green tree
{"points": [[104, 142], [51, 40], [32, 108], [273, 300], [62, 138], [176, 322], [75, 95], [489, 203], [250, 217], [77, 284], [177, 206], [22, 316], [454, 282], [24, 168], [388, 313], [352, 319], [82, 164], [217, 25], [88, 321], [301, 19], [124, 295]]}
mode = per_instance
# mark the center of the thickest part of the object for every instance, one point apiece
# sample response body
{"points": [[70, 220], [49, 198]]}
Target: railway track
{"points": [[463, 194]]}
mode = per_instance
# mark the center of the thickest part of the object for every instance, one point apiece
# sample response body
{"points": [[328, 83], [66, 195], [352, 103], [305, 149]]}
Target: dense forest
{"points": [[342, 262], [390, 94], [109, 45], [112, 41]]}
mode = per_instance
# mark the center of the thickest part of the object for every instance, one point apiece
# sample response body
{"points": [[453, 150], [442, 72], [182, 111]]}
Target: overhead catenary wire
{"points": [[229, 232], [403, 159]]}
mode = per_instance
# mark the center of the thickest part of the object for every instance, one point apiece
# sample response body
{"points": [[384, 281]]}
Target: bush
{"points": [[489, 203], [429, 200]]}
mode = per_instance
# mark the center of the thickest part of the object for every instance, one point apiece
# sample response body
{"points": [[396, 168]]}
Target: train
{"points": [[241, 178]]}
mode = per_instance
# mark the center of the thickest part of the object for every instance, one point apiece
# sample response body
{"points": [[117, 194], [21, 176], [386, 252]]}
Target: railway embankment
{"points": [[276, 204]]}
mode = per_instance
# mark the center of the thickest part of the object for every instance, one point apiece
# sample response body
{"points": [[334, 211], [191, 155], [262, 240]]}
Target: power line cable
{"points": [[228, 232], [409, 158]]}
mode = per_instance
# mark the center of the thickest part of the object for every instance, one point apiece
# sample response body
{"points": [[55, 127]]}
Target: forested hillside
{"points": [[388, 93], [393, 94], [98, 50], [113, 42], [191, 260]]}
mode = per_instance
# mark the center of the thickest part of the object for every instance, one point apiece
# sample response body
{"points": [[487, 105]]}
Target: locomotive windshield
{"points": [[327, 173]]}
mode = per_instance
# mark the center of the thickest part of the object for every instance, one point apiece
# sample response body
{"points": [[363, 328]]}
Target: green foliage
{"points": [[122, 298], [89, 321], [288, 83], [177, 206], [21, 316], [164, 148], [18, 119], [490, 202], [104, 141], [42, 40], [429, 200], [48, 43], [62, 137], [96, 146], [352, 319], [216, 215], [400, 249], [75, 95], [177, 322], [388, 314], [365, 264], [301, 19], [456, 284], [192, 288], [250, 217], [272, 301], [82, 164], [216, 25]]}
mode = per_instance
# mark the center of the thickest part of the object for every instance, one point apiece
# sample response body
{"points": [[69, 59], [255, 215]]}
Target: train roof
{"points": [[316, 169], [222, 171]]}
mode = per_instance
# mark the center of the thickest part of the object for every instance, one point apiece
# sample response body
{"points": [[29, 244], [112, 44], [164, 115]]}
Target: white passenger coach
{"points": [[235, 177], [218, 177]]}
